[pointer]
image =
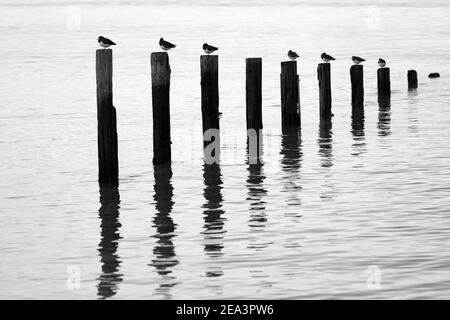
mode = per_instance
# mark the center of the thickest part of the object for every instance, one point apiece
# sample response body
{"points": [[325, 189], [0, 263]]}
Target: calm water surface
{"points": [[324, 206]]}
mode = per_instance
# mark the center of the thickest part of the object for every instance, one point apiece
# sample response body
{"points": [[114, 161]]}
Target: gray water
{"points": [[355, 210]]}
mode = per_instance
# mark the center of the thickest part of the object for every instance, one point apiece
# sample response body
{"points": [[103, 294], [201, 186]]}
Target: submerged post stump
{"points": [[108, 162], [161, 107], [434, 75], [357, 79], [384, 81], [412, 79], [324, 77], [290, 116], [209, 69]]}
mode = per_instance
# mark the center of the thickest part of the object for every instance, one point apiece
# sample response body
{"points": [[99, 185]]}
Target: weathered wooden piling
{"points": [[412, 79], [299, 113], [108, 162], [161, 107], [357, 80], [290, 111], [384, 81], [253, 90], [324, 77], [209, 69]]}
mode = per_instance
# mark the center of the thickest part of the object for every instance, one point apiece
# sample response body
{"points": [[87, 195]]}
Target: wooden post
{"points": [[384, 81], [253, 92], [299, 115], [324, 77], [209, 69], [412, 79], [289, 96], [357, 79], [108, 163], [161, 107]]}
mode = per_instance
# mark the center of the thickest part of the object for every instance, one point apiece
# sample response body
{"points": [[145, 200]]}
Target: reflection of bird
{"points": [[326, 58], [209, 49], [165, 45], [357, 60], [381, 63], [105, 42], [292, 55]]}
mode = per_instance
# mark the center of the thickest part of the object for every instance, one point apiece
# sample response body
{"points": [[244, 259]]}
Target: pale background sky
{"points": [[427, 3]]}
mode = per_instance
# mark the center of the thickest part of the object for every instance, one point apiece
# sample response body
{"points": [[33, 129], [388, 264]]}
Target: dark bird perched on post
{"points": [[209, 49], [105, 42], [165, 45], [381, 63], [357, 60], [326, 58], [292, 55]]}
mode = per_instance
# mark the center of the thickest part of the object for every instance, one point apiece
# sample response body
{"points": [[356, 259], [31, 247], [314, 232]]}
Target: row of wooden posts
{"points": [[160, 74]]}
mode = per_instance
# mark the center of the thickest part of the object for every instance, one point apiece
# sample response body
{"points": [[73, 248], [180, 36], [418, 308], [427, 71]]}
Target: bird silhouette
{"points": [[326, 58], [105, 42], [292, 55], [166, 45], [209, 49]]}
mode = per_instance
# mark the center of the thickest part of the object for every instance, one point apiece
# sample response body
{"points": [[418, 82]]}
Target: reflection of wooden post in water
{"points": [[384, 116], [108, 162], [384, 81], [107, 248], [357, 80], [254, 146], [324, 77], [164, 250], [413, 115], [214, 222], [209, 70], [290, 112], [256, 192], [290, 164], [358, 135], [326, 143], [161, 107], [357, 127], [412, 79]]}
